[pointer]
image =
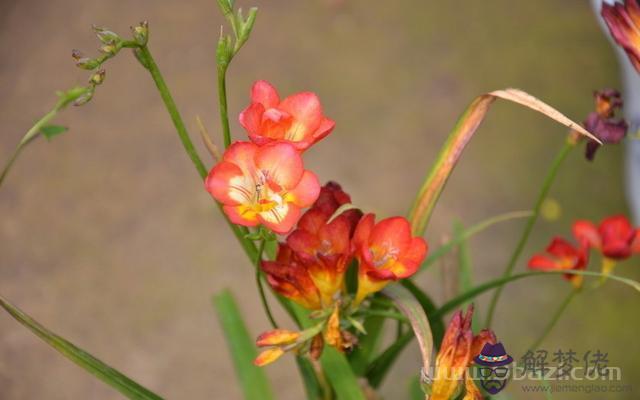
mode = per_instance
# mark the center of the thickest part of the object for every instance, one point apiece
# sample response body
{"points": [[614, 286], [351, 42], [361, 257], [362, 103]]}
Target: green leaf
{"points": [[361, 356], [342, 378], [478, 290], [415, 389], [377, 370], [49, 131], [437, 324], [458, 139], [311, 385], [100, 370], [242, 348], [412, 309], [334, 365], [465, 270], [468, 233]]}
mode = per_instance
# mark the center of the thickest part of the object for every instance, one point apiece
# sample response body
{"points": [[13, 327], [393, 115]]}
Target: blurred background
{"points": [[109, 238]]}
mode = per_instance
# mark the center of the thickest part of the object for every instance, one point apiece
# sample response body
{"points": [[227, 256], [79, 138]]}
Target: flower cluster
{"points": [[615, 238], [458, 348], [263, 182]]}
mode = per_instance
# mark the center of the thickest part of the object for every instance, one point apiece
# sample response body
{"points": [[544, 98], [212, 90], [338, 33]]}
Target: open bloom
{"points": [[386, 251], [603, 122], [263, 185], [561, 255], [310, 266], [457, 350], [297, 119], [615, 237], [623, 20], [323, 246]]}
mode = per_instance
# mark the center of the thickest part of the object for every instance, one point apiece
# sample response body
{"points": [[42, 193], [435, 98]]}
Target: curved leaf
{"points": [[459, 138], [100, 370]]}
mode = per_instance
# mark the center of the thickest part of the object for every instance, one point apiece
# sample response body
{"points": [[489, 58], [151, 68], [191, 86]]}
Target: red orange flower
{"points": [[386, 251], [456, 354], [623, 21], [561, 255], [310, 267], [297, 119], [615, 237], [263, 185]]}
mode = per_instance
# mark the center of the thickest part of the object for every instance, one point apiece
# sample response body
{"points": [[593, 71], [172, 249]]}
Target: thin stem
{"points": [[152, 67], [222, 99], [554, 319], [31, 134], [544, 191], [385, 314], [263, 297]]}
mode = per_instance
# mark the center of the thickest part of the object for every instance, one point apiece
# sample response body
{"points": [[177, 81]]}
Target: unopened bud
{"points": [[84, 99], [141, 33], [98, 77], [109, 49], [105, 36], [85, 62]]}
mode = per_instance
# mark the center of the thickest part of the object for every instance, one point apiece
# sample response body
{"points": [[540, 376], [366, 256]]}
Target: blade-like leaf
{"points": [[437, 324], [100, 370], [468, 233], [478, 290], [309, 379], [334, 365], [49, 131], [411, 308], [458, 140], [242, 348]]}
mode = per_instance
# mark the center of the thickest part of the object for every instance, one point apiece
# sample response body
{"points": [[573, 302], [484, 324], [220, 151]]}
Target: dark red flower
{"points": [[603, 122], [616, 238]]}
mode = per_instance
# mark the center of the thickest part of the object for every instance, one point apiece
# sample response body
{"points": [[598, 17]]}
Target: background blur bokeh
{"points": [[108, 238]]}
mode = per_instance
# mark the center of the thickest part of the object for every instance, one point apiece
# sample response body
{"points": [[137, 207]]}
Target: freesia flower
{"points": [[603, 122], [615, 237], [623, 20], [310, 266], [386, 251], [297, 119], [265, 185], [561, 255], [457, 350], [323, 246], [288, 276]]}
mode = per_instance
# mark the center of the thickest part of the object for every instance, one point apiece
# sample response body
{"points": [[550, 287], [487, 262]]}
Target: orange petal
{"points": [[306, 111], [242, 154], [268, 356], [586, 231], [277, 337], [391, 234], [229, 185], [306, 191]]}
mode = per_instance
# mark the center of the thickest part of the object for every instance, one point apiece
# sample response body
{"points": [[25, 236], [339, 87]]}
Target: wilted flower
{"points": [[263, 185], [615, 237], [603, 122], [623, 20], [561, 255], [456, 354], [297, 119], [386, 251]]}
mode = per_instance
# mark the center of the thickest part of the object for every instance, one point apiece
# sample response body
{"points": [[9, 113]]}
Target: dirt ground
{"points": [[108, 238]]}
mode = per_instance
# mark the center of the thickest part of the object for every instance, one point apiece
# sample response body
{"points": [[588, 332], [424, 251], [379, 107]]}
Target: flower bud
{"points": [[268, 356], [84, 62], [109, 49], [98, 77], [277, 337], [84, 99], [141, 33], [106, 36]]}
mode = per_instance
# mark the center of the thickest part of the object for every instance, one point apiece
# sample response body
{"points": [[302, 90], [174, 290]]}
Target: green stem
{"points": [[259, 274], [222, 99], [385, 314], [544, 191], [554, 319], [150, 64]]}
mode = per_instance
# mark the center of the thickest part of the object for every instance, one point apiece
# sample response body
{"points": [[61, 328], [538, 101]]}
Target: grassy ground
{"points": [[109, 238]]}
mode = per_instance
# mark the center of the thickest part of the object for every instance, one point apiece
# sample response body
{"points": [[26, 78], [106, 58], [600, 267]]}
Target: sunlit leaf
{"points": [[459, 138]]}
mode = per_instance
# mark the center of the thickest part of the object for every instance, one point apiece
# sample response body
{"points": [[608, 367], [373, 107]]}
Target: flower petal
{"points": [[281, 218], [307, 114], [243, 155], [268, 356], [586, 231], [392, 235], [281, 164], [250, 118], [264, 93], [241, 215], [228, 185], [306, 191]]}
